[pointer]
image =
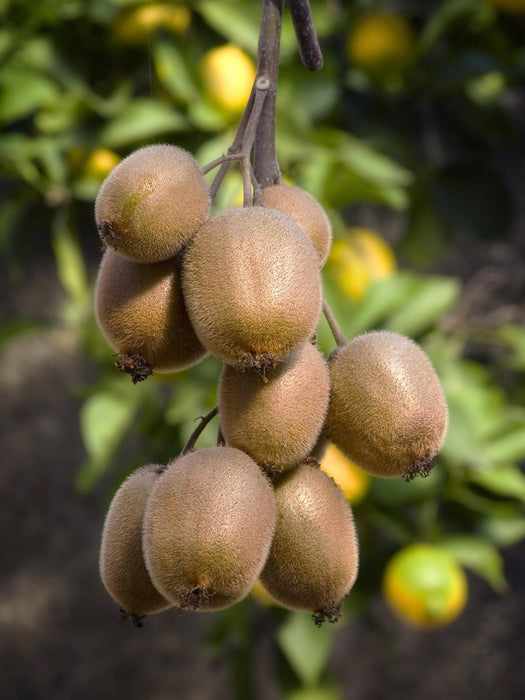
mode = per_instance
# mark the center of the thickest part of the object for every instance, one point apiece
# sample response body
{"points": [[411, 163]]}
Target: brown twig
{"points": [[204, 420]]}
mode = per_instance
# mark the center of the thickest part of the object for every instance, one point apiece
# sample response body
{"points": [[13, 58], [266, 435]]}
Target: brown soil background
{"points": [[60, 637]]}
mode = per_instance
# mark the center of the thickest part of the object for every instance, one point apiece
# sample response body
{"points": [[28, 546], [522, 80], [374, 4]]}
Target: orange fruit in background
{"points": [[135, 25], [381, 44], [358, 260], [228, 74], [425, 586], [353, 481], [100, 162]]}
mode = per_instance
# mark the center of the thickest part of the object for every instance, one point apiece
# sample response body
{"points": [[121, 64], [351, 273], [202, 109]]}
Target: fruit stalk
{"points": [[338, 334], [204, 420], [266, 166]]}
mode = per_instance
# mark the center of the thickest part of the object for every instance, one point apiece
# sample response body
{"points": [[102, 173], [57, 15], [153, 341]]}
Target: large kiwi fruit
{"points": [[208, 528], [122, 568], [277, 421], [141, 312], [313, 560], [306, 211], [151, 203], [387, 409], [252, 286]]}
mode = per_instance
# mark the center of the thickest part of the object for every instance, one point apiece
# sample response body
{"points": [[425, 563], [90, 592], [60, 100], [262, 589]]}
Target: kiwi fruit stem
{"points": [[204, 420], [256, 128], [338, 334]]}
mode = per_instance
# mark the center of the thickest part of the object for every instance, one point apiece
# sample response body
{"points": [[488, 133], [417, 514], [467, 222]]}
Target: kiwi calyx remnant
{"points": [[195, 598], [263, 363], [421, 468], [331, 614], [134, 365]]}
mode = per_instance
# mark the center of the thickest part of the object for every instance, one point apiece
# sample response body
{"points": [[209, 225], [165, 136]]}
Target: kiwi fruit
{"points": [[122, 568], [252, 286], [387, 410], [151, 203], [208, 528], [141, 312], [277, 421], [313, 560], [306, 211]]}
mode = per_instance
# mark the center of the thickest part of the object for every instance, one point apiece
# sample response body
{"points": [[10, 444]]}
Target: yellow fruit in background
{"points": [[516, 7], [381, 44], [135, 25], [100, 162], [360, 259], [425, 586], [353, 481], [228, 74]]}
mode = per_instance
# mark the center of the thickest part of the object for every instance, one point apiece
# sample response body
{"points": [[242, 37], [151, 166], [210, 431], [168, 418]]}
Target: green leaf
{"points": [[504, 480], [435, 296], [104, 418], [23, 92], [514, 337], [305, 646], [142, 119], [480, 556], [236, 21], [504, 531], [172, 70], [445, 14], [70, 262]]}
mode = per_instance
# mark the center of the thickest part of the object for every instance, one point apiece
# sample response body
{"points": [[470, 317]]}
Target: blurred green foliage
{"points": [[434, 145]]}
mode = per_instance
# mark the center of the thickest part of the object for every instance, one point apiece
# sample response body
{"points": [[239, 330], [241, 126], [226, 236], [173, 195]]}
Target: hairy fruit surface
{"points": [[387, 409]]}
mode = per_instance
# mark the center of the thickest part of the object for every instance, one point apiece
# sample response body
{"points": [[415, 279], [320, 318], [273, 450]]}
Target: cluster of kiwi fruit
{"points": [[176, 283]]}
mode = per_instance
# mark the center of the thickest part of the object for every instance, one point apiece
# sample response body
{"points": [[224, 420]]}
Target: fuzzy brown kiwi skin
{"points": [[306, 211], [141, 312], [208, 528], [151, 203], [277, 421], [252, 286], [314, 558], [387, 410], [121, 562]]}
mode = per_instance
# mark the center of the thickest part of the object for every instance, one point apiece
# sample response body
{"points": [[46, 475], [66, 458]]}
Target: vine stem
{"points": [[204, 420], [338, 334], [265, 164]]}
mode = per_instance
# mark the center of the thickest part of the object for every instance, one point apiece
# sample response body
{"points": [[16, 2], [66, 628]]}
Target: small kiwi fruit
{"points": [[252, 286], [151, 203], [306, 211], [313, 560], [140, 309], [122, 568], [208, 528], [277, 421], [387, 410]]}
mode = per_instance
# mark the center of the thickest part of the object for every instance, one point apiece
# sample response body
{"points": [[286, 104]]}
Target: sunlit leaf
{"points": [[479, 555], [104, 418], [435, 296], [504, 480], [142, 119], [305, 646]]}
